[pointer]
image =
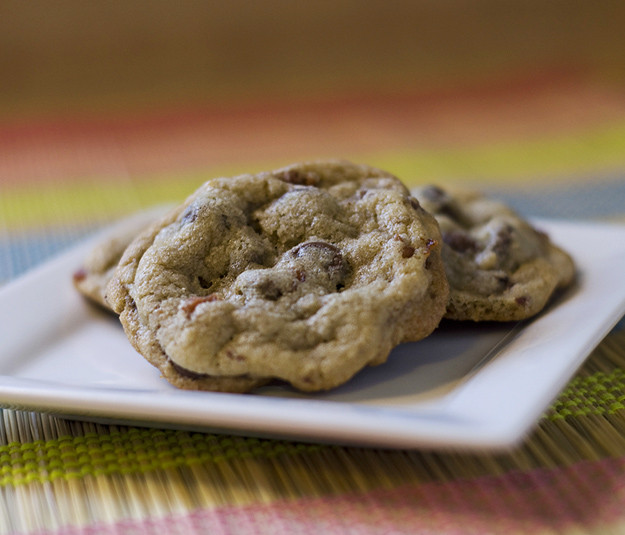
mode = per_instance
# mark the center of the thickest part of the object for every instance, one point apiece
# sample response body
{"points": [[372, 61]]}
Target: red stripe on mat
{"points": [[585, 498], [166, 141], [514, 86]]}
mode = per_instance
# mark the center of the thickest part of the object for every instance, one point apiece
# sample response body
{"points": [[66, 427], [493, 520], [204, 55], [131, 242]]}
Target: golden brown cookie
{"points": [[92, 277], [305, 274], [499, 267]]}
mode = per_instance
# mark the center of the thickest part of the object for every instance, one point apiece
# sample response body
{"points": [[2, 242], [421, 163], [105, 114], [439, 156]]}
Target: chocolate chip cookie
{"points": [[499, 267], [92, 277], [305, 274]]}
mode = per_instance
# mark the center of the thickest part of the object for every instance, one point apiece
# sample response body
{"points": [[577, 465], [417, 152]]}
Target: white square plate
{"points": [[466, 386]]}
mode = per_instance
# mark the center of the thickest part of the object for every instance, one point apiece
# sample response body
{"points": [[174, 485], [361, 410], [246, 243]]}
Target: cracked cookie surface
{"points": [[499, 267], [305, 274]]}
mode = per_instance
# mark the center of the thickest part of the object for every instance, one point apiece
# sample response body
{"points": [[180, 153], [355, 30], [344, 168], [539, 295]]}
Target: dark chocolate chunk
{"points": [[293, 176], [407, 251], [460, 241]]}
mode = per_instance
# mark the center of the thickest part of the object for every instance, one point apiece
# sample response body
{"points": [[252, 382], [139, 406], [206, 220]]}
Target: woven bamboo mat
{"points": [[567, 476], [61, 181]]}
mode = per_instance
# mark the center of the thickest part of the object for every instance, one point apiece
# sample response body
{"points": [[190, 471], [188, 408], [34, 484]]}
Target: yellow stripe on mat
{"points": [[102, 198], [520, 161]]}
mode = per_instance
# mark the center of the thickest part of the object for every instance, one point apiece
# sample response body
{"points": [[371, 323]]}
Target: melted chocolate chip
{"points": [[407, 251], [269, 290], [434, 194], [460, 241], [442, 204], [503, 241], [187, 373], [504, 281], [320, 257], [293, 176], [194, 376], [335, 260]]}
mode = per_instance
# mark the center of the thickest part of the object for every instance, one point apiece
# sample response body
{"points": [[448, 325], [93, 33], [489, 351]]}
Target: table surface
{"points": [[552, 145]]}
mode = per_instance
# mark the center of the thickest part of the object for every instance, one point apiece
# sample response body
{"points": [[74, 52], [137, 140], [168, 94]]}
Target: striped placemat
{"points": [[61, 181]]}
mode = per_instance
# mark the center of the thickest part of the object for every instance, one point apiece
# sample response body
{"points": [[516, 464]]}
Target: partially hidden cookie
{"points": [[305, 274], [499, 267], [93, 276]]}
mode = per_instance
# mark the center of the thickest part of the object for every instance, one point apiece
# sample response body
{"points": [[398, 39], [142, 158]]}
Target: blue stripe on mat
{"points": [[20, 252], [589, 197]]}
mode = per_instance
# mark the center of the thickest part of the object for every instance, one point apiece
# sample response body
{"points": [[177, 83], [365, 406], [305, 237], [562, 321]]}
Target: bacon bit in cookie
{"points": [[192, 303], [293, 176], [407, 251], [522, 301], [234, 356], [80, 275], [429, 245], [300, 275]]}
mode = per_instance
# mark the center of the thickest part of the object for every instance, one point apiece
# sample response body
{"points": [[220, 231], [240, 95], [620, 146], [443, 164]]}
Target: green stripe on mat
{"points": [[586, 421], [601, 393], [599, 387], [132, 451], [101, 198]]}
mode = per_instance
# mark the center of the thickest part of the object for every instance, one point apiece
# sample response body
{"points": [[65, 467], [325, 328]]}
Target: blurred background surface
{"points": [[86, 56], [135, 102]]}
